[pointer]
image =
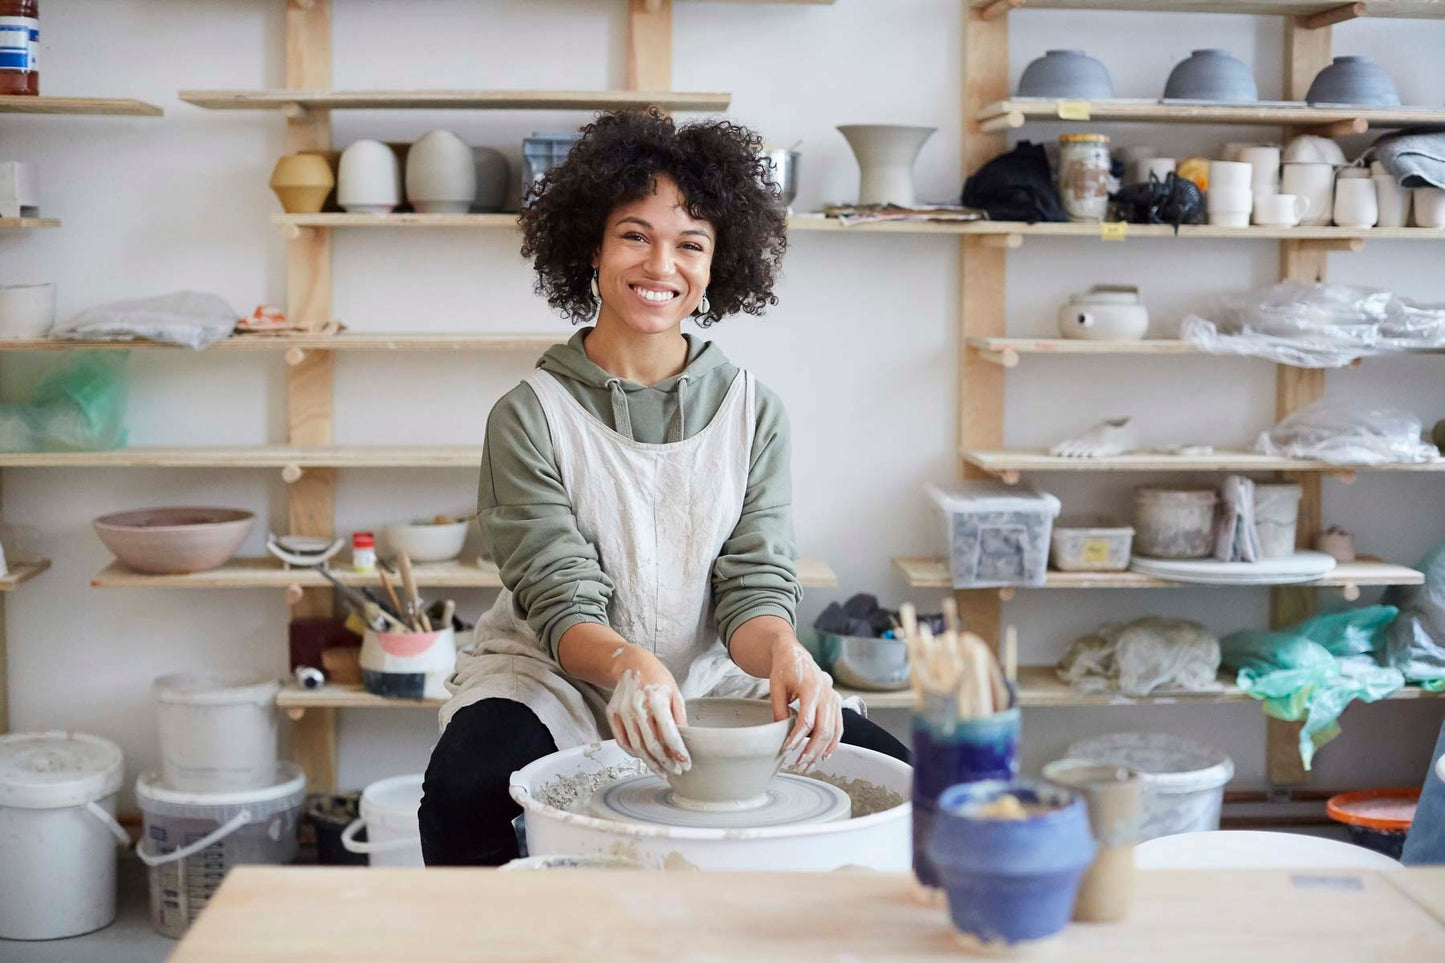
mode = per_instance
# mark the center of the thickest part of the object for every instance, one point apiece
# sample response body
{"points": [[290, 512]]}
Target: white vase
{"points": [[369, 180], [885, 154], [441, 174]]}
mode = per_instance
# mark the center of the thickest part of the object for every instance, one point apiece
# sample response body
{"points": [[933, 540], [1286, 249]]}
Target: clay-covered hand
{"points": [[645, 713], [796, 677]]}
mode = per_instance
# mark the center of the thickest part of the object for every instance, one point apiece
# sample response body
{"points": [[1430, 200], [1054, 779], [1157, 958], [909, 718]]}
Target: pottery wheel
{"points": [[792, 801]]}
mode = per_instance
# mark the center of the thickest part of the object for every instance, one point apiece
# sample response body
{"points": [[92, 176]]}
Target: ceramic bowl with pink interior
{"points": [[174, 541]]}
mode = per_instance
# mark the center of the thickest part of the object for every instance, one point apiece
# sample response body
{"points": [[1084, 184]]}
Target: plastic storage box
{"points": [[995, 534], [1091, 543], [541, 152]]}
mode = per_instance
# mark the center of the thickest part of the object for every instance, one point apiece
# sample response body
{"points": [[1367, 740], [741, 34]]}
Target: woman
{"points": [[635, 489]]}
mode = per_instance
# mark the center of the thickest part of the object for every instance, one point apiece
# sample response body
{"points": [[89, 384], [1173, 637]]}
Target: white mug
{"points": [[1229, 174], [1355, 204], [1429, 207], [1279, 210], [1229, 206], [1265, 161], [1315, 183], [1392, 199], [1160, 167]]}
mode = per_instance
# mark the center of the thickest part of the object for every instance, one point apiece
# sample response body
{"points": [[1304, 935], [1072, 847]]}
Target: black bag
{"points": [[1017, 186]]}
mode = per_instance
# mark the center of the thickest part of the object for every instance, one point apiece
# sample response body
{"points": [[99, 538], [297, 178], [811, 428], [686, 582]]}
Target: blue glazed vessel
{"points": [[1212, 75], [1010, 881], [947, 751], [1066, 73], [1357, 81]]}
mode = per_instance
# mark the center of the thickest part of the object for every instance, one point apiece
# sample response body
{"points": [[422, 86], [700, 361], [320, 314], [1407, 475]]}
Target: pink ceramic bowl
{"points": [[173, 541]]}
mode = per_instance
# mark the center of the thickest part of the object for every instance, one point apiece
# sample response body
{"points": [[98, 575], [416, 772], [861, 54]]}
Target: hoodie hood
{"points": [[569, 362]]}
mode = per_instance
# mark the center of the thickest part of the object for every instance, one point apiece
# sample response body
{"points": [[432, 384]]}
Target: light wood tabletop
{"points": [[437, 916]]}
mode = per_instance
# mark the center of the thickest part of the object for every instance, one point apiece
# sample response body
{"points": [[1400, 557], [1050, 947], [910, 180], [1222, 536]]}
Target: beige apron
{"points": [[658, 516]]}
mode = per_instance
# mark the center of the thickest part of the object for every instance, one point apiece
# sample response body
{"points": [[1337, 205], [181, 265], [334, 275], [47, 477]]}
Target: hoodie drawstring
{"points": [[621, 416], [677, 428]]}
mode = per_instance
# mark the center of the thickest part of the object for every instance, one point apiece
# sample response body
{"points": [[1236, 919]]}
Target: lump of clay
{"points": [[1144, 655]]}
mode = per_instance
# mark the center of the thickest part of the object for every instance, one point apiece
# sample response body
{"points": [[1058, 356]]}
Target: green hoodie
{"points": [[553, 572]]}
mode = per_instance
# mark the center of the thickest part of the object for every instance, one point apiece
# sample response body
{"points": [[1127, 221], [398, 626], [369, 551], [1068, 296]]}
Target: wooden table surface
{"points": [[438, 916]]}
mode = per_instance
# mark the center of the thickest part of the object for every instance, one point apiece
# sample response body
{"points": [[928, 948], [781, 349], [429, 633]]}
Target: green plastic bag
{"points": [[78, 406]]}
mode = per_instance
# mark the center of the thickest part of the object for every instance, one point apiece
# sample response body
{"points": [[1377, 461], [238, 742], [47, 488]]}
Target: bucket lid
{"points": [[290, 781], [221, 687], [392, 803], [1164, 763], [1391, 810], [986, 496], [51, 770]]}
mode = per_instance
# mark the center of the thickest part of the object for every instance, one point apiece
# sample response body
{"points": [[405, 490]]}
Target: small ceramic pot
{"points": [[1356, 81], [1429, 206], [1214, 76], [1010, 880], [1114, 797], [1105, 312], [1392, 199], [1174, 522], [736, 749], [1066, 74], [1355, 199], [494, 178], [1263, 160], [441, 174], [1230, 174], [369, 181], [27, 311], [1279, 210], [302, 182], [1337, 543], [885, 154], [1315, 183]]}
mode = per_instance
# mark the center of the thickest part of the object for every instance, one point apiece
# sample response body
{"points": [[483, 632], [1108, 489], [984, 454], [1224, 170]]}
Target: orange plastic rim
{"points": [[1353, 808]]}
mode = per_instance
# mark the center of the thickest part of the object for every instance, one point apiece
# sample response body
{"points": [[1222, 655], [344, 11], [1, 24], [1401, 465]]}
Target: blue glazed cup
{"points": [[947, 751], [1010, 881]]}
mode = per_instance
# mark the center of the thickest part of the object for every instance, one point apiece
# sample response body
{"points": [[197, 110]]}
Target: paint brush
{"points": [[408, 583]]}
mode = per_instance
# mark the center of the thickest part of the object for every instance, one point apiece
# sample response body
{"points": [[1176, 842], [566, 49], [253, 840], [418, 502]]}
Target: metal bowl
{"points": [[863, 662], [784, 172]]}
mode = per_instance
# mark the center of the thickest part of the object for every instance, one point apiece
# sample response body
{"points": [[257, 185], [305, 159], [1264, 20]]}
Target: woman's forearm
{"points": [[595, 653], [756, 642]]}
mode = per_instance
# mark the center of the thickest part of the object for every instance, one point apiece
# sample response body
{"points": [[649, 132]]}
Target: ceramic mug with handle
{"points": [[1314, 182], [1280, 210]]}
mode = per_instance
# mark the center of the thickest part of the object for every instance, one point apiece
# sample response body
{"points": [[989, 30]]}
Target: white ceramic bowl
{"points": [[441, 174], [170, 541], [425, 542], [369, 180], [26, 311], [736, 749]]}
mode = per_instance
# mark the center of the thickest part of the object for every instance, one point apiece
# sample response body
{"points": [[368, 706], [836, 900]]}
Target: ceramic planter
{"points": [[885, 154], [1105, 312], [1066, 74], [1214, 76], [302, 182]]}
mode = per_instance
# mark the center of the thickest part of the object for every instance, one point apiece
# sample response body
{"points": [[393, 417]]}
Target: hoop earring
{"points": [[703, 306]]}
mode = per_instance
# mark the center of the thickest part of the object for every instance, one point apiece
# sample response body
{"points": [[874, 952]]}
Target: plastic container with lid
{"points": [[1091, 543], [995, 534], [1377, 819], [58, 834], [217, 729], [20, 47], [1183, 780]]}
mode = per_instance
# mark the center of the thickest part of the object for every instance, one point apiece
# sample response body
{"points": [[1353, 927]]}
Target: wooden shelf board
{"points": [[336, 219], [1030, 459], [1096, 231], [328, 696], [934, 573], [453, 99], [22, 572], [27, 223], [1076, 346], [109, 106], [259, 456], [1014, 113], [346, 341], [1418, 9]]}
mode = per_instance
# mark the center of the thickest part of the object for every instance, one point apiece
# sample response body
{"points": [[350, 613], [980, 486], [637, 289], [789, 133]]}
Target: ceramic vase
{"points": [[1214, 76], [494, 177], [1066, 74], [370, 178], [302, 182], [1114, 797], [885, 154], [441, 174]]}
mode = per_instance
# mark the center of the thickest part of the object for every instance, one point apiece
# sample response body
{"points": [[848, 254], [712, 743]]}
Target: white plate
{"points": [[1299, 567]]}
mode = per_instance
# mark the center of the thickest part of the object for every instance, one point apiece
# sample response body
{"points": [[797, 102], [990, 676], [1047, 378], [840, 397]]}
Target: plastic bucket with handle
{"points": [[217, 730], [58, 834], [389, 813]]}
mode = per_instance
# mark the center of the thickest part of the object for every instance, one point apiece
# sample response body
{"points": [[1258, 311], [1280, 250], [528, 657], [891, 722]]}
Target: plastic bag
{"points": [[79, 406], [1347, 433], [191, 318], [1143, 656], [1415, 643], [1313, 670]]}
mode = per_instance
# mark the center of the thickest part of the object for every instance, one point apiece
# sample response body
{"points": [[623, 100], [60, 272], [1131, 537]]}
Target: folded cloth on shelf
{"points": [[1017, 186], [1414, 157], [192, 318], [1235, 537]]}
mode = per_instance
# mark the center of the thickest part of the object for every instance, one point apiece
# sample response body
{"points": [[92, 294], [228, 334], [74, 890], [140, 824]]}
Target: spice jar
{"points": [[20, 47], [363, 552], [1084, 176]]}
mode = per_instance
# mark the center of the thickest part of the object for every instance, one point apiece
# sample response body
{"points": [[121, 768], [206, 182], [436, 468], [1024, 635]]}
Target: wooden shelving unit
{"points": [[27, 223], [1013, 114], [257, 456], [310, 100], [925, 572], [105, 106], [346, 341]]}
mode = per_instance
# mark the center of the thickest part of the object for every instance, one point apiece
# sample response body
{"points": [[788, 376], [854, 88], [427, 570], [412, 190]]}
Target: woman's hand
{"points": [[795, 676], [646, 711]]}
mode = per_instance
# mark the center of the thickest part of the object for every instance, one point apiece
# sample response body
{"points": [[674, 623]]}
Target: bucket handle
{"points": [[351, 845], [122, 837], [216, 835]]}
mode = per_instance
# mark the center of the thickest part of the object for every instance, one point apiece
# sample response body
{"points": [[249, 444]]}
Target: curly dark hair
{"points": [[723, 180]]}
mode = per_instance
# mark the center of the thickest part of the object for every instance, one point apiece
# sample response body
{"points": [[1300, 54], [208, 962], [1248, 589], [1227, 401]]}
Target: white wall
{"points": [[862, 346]]}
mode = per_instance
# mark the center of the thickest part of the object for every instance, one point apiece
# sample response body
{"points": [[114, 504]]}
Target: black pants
{"points": [[466, 811]]}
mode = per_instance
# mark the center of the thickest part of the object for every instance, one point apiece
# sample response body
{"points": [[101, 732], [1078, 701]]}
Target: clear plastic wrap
{"points": [[1314, 325], [1347, 433], [191, 318], [1143, 656]]}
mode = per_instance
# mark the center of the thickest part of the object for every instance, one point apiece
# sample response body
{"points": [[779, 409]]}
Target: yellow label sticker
{"points": [[1095, 551], [1073, 110], [1113, 230]]}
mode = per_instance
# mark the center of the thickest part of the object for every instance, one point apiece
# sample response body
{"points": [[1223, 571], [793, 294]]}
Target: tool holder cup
{"points": [[408, 665]]}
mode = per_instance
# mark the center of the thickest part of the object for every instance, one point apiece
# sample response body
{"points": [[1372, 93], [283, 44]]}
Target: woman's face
{"points": [[654, 263]]}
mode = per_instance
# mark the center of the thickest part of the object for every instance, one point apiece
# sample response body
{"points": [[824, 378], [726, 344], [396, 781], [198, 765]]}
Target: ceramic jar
{"points": [[302, 182], [1105, 312], [1392, 199], [1316, 184], [441, 174], [1084, 176], [1114, 797], [494, 177], [1355, 203], [1067, 74], [369, 181], [885, 154]]}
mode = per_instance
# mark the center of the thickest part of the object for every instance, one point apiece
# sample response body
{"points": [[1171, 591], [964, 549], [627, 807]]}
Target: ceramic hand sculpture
{"points": [[1112, 437]]}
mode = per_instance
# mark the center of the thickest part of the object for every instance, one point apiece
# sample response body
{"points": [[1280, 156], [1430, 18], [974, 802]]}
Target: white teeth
{"points": [[656, 295]]}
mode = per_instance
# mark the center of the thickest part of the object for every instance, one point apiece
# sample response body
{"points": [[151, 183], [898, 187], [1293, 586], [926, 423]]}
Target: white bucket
{"points": [[1183, 780], [58, 834], [1276, 516], [389, 813], [217, 730], [191, 840]]}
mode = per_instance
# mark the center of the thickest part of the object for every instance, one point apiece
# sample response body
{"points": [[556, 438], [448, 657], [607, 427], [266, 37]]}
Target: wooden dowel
{"points": [[1007, 358], [999, 8], [1009, 242], [1341, 128], [1008, 120], [1011, 654], [1352, 244], [1332, 16]]}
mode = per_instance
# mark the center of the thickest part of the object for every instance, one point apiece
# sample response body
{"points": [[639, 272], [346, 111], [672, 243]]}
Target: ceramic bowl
{"points": [[494, 177], [736, 749], [864, 662], [441, 174], [1354, 80], [1212, 75], [1313, 149], [427, 542], [26, 311], [174, 541], [302, 182], [369, 181], [1066, 73]]}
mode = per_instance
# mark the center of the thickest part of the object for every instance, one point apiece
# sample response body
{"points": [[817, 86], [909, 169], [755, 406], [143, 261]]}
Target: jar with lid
{"points": [[20, 47], [363, 552], [1084, 176]]}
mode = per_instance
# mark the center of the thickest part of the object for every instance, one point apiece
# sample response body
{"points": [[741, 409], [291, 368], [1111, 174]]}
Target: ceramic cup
{"points": [[1160, 167], [1392, 199], [1229, 206], [1229, 174], [1114, 797], [370, 178], [1279, 210], [1355, 204], [1315, 183], [1429, 207], [1264, 160]]}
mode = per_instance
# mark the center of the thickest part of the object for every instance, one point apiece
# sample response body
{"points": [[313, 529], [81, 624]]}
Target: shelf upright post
{"points": [[649, 44], [310, 499], [982, 293], [4, 674], [1306, 52]]}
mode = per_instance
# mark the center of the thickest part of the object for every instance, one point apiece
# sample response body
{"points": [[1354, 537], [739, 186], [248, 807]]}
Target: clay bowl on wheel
{"points": [[736, 749]]}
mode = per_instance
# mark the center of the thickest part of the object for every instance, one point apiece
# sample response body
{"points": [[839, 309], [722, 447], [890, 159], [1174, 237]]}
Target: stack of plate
{"points": [[1299, 567]]}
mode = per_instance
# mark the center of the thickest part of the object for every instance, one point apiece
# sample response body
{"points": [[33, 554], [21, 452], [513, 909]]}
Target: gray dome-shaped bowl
{"points": [[1357, 81], [1066, 73], [1212, 75]]}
